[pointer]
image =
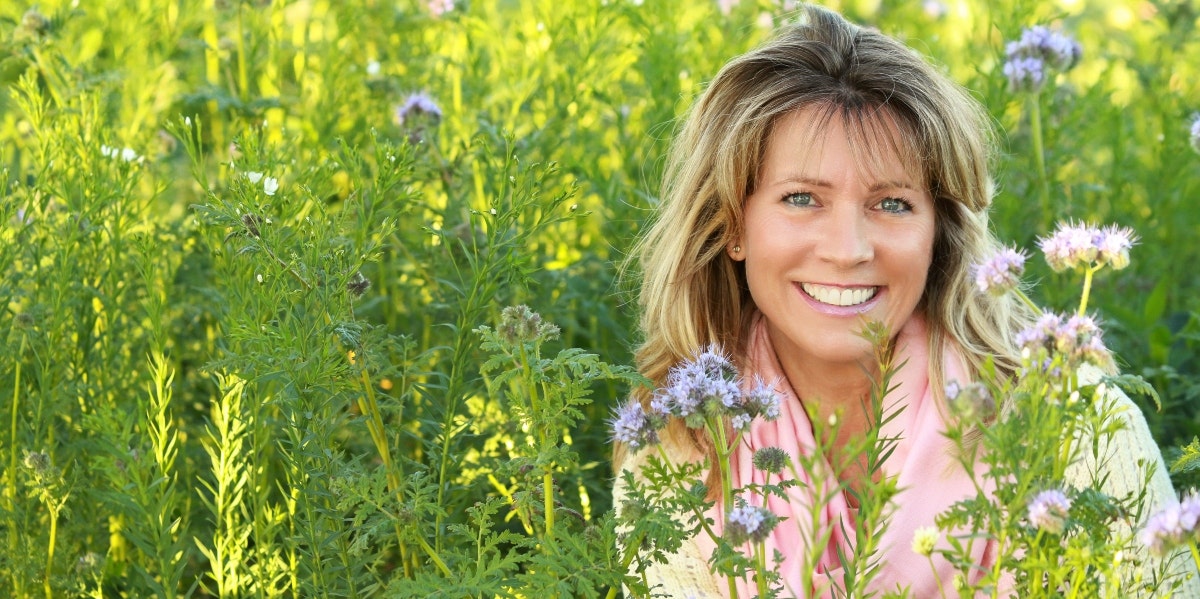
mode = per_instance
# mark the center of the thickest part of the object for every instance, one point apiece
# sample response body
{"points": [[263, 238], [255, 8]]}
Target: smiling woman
{"points": [[829, 179]]}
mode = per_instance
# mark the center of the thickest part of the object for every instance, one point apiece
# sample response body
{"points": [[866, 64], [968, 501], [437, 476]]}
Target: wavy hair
{"points": [[692, 294]]}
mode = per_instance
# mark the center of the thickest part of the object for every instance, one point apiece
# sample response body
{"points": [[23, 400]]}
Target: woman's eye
{"points": [[802, 199], [895, 205]]}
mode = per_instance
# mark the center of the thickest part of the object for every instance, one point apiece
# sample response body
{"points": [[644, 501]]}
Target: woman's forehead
{"points": [[880, 144]]}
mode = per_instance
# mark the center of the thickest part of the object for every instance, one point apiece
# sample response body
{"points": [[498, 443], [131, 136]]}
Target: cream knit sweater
{"points": [[1126, 462]]}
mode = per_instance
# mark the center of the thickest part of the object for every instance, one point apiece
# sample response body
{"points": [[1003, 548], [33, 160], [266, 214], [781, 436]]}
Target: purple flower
{"points": [[1058, 51], [1077, 338], [1172, 527], [763, 401], [1072, 245], [438, 8], [1048, 511], [1025, 73], [1000, 273], [1113, 245], [706, 386], [632, 426], [416, 105], [972, 402], [748, 523]]}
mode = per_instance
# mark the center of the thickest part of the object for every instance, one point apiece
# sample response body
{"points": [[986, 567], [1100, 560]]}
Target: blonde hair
{"points": [[692, 294]]}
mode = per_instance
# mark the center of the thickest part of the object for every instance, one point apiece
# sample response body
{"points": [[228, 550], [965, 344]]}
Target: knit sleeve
{"points": [[1124, 465], [684, 574]]}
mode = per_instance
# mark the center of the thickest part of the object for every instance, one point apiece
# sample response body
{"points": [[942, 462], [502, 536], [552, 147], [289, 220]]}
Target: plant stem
{"points": [[50, 552], [1087, 288], [1039, 154], [936, 578], [11, 491]]}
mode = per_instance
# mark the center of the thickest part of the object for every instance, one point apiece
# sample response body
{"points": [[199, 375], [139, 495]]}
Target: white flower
{"points": [[270, 185], [924, 539], [373, 68], [254, 177]]}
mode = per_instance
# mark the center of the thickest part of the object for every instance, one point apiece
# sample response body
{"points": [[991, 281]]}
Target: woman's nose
{"points": [[846, 239]]}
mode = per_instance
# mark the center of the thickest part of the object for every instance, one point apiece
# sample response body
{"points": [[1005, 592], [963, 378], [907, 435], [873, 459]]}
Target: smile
{"points": [[839, 296]]}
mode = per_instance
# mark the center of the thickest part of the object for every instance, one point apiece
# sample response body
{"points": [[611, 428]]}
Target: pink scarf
{"points": [[930, 479]]}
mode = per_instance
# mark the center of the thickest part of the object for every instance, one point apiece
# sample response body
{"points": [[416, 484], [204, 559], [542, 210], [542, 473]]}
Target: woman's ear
{"points": [[734, 249]]}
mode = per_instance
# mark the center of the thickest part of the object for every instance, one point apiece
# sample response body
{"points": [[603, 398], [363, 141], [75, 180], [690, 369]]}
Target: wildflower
{"points": [[1056, 50], [438, 8], [270, 185], [934, 8], [770, 459], [125, 154], [1172, 527], [924, 540], [37, 462], [1048, 511], [726, 6], [1113, 245], [970, 403], [1072, 245], [762, 401], [1195, 133], [417, 105], [1000, 273], [704, 386], [519, 324], [373, 68], [748, 523], [358, 285], [634, 427], [1025, 74]]}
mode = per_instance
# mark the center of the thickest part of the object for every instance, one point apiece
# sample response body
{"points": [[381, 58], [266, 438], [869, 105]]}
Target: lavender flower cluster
{"points": [[749, 523], [1077, 338], [1002, 272], [1077, 245], [1036, 55], [1172, 527], [699, 390], [1048, 511]]}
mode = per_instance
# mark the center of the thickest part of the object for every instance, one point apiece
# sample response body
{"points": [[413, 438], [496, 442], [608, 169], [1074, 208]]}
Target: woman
{"points": [[829, 177]]}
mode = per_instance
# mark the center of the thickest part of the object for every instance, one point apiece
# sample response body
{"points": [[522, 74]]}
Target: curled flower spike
{"points": [[749, 523], [416, 105], [632, 426], [1072, 245], [1077, 338], [1048, 511], [1058, 51], [1025, 74], [1000, 273], [1172, 527]]}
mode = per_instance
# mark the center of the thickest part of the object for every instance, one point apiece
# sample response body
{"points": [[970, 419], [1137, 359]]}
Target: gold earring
{"points": [[737, 249]]}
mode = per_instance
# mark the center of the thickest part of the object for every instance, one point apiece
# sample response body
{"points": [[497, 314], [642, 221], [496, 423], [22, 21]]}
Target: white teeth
{"points": [[838, 296]]}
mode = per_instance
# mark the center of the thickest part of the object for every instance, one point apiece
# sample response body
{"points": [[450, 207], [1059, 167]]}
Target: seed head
{"points": [[771, 459]]}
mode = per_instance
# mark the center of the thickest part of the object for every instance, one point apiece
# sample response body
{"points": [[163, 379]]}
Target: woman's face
{"points": [[829, 242]]}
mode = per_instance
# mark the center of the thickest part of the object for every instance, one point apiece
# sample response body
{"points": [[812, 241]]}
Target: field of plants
{"points": [[261, 261]]}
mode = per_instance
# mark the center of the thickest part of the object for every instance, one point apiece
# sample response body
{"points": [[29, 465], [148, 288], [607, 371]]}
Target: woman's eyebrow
{"points": [[878, 186]]}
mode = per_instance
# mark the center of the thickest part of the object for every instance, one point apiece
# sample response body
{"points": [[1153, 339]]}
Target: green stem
{"points": [[50, 553], [1195, 553], [936, 578], [437, 561], [11, 492], [548, 493], [1087, 288], [1039, 153]]}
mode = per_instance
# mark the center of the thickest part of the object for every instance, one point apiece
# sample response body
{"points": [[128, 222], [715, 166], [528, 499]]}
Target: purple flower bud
{"points": [[1048, 511], [748, 523], [417, 105], [1114, 245], [632, 426], [1025, 74], [1000, 273], [1171, 527]]}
